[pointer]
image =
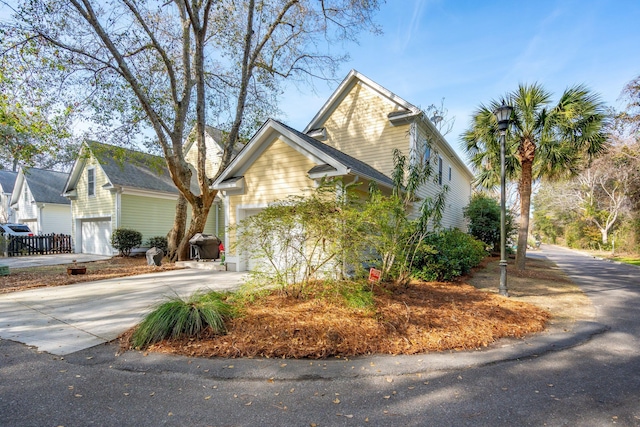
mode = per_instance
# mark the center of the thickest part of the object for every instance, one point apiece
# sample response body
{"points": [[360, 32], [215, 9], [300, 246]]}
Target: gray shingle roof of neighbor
{"points": [[358, 167], [7, 181], [46, 185], [129, 168]]}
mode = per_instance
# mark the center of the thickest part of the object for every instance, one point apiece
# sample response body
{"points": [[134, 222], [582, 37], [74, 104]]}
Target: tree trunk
{"points": [[525, 207], [199, 216], [605, 235], [177, 231]]}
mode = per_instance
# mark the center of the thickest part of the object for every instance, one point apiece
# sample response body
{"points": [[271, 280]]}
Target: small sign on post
{"points": [[374, 275]]}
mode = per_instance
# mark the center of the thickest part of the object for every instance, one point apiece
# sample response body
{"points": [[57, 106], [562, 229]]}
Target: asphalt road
{"points": [[590, 382]]}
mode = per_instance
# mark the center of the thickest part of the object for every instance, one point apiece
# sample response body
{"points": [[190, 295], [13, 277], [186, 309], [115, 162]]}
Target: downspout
{"points": [[40, 207], [118, 208], [217, 218]]}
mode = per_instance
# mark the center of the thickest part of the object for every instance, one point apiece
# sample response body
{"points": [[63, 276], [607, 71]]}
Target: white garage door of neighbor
{"points": [[96, 237], [33, 225]]}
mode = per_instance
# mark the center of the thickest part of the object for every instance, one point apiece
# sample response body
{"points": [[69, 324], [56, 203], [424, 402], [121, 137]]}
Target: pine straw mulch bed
{"points": [[56, 275], [421, 317]]}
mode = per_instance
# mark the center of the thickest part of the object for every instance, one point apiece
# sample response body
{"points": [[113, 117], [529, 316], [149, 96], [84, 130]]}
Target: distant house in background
{"points": [[38, 202], [7, 182], [213, 140], [112, 187]]}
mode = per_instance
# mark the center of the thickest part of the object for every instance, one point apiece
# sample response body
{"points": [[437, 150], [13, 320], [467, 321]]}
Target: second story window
{"points": [[440, 170], [449, 173], [427, 153], [91, 182]]}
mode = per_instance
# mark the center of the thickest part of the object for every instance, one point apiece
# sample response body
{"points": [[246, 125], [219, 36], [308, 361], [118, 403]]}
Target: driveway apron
{"points": [[63, 320]]}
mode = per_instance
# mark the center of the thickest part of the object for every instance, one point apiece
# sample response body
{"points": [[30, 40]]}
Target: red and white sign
{"points": [[374, 275]]}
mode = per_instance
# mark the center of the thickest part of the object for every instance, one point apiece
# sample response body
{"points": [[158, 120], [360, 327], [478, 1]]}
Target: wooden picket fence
{"points": [[36, 245]]}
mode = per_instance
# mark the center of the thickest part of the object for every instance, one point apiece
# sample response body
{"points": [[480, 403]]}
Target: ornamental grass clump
{"points": [[180, 317]]}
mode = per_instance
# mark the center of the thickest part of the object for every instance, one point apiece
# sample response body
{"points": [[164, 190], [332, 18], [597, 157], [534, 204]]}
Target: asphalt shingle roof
{"points": [[46, 185], [129, 168], [7, 181]]}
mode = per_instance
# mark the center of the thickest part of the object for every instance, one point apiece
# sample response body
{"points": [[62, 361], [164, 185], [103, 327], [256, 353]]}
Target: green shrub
{"points": [[483, 213], [124, 240], [357, 295], [159, 242], [179, 317], [446, 255]]}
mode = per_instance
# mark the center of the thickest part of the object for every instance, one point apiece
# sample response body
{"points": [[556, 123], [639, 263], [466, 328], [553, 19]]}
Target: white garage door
{"points": [[96, 237], [251, 262], [255, 262]]}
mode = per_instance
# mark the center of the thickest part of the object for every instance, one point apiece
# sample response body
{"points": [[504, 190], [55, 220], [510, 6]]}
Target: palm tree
{"points": [[542, 141]]}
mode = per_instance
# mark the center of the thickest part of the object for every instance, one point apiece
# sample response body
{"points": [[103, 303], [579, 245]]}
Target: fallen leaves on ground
{"points": [[56, 275], [418, 318]]}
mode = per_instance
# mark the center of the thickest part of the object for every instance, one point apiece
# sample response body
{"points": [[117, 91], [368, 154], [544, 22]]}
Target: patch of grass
{"points": [[358, 295], [179, 317], [628, 260]]}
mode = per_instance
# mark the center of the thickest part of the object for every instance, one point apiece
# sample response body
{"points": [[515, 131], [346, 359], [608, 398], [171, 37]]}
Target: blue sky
{"points": [[470, 52]]}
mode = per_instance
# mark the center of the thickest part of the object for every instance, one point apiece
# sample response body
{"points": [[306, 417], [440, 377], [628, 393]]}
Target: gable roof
{"points": [[329, 160], [130, 168], [124, 168], [215, 134], [46, 186], [355, 166], [7, 181], [403, 108], [404, 112]]}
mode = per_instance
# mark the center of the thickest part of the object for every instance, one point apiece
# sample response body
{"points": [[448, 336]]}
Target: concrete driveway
{"points": [[63, 320], [41, 260]]}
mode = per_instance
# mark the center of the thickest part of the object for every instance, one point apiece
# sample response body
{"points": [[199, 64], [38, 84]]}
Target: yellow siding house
{"points": [[353, 136], [112, 187]]}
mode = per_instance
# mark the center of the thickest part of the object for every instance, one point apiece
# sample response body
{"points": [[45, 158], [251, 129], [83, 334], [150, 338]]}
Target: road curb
{"points": [[262, 369]]}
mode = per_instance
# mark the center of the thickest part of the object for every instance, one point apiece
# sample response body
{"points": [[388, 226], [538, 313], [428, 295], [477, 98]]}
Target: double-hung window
{"points": [[91, 182]]}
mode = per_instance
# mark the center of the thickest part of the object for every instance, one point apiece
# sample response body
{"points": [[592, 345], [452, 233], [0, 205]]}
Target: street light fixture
{"points": [[503, 116]]}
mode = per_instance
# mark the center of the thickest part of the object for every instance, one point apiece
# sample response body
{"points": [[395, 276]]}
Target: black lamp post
{"points": [[503, 115]]}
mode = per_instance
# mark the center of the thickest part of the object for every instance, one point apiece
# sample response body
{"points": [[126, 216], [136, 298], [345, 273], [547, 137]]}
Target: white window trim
{"points": [[89, 193]]}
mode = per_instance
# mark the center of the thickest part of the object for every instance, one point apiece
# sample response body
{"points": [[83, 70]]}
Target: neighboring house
{"points": [[7, 182], [112, 187], [352, 136], [213, 141], [38, 202]]}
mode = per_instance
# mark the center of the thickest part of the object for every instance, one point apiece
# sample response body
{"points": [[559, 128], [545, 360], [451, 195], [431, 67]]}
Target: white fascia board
{"points": [[237, 184], [310, 152], [270, 132], [71, 194], [320, 175], [403, 119], [343, 89], [17, 189], [244, 156], [78, 168], [145, 193]]}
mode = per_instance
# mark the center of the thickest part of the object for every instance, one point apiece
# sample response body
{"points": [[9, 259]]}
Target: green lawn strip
{"points": [[627, 260]]}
